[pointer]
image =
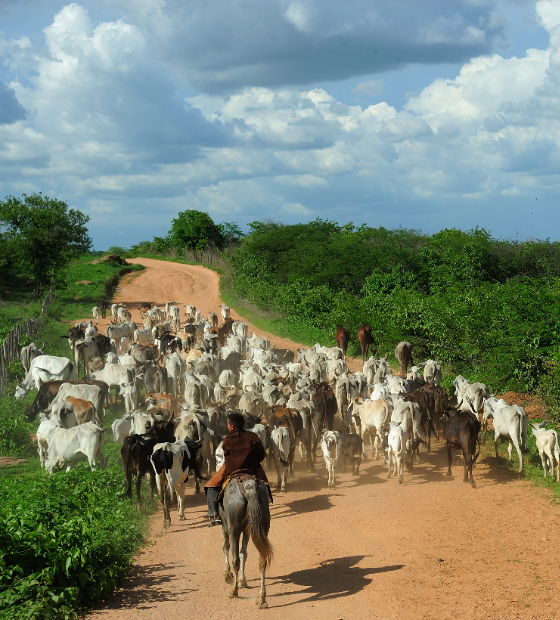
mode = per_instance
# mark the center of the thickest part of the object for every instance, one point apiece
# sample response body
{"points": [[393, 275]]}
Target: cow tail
{"points": [[259, 534]]}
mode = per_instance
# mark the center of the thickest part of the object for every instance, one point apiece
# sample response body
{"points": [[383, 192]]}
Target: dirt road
{"points": [[432, 548]]}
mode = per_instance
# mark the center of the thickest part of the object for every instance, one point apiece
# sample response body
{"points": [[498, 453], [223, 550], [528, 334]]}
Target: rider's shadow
{"points": [[332, 579]]}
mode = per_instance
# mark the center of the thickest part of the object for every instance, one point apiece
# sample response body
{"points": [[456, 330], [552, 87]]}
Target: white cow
{"points": [[547, 445], [45, 368], [143, 336], [44, 434], [370, 416], [130, 394], [370, 366], [432, 372], [330, 445], [173, 477], [94, 394], [68, 446], [397, 385], [29, 353], [121, 428], [114, 375], [510, 421], [396, 450], [226, 314], [280, 444]]}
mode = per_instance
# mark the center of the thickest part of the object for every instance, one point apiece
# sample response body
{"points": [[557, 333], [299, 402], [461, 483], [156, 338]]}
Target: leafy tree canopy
{"points": [[195, 229], [43, 234]]}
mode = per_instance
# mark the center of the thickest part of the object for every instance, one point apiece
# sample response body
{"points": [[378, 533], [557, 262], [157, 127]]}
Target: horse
{"points": [[245, 510]]}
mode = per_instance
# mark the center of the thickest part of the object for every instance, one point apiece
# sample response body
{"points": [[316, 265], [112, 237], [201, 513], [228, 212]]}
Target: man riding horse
{"points": [[243, 450]]}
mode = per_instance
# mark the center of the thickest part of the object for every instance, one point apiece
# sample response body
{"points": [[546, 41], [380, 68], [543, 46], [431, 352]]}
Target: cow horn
{"points": [[43, 346]]}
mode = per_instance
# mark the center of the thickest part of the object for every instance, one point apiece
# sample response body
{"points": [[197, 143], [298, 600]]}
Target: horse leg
{"points": [[262, 594], [243, 559], [234, 535], [228, 576]]}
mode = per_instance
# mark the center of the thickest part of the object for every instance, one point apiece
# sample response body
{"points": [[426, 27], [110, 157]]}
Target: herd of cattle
{"points": [[195, 374]]}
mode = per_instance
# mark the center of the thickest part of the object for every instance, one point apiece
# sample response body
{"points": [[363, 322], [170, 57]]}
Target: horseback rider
{"points": [[243, 450]]}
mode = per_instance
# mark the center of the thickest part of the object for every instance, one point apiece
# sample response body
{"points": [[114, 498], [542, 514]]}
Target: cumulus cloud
{"points": [[11, 109], [369, 87], [102, 117], [224, 46]]}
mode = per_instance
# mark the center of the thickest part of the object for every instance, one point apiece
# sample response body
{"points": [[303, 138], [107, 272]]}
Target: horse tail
{"points": [[259, 535]]}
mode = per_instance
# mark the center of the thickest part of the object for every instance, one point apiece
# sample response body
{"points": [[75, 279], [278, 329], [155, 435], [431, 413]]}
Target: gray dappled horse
{"points": [[246, 514]]}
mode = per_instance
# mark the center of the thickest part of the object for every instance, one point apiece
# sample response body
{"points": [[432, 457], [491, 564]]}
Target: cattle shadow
{"points": [[333, 578], [145, 587], [302, 506]]}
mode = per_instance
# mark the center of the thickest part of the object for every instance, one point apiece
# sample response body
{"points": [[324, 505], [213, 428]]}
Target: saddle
{"points": [[239, 475]]}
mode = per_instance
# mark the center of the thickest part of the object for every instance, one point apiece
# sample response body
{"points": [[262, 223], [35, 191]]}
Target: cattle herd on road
{"points": [[193, 372]]}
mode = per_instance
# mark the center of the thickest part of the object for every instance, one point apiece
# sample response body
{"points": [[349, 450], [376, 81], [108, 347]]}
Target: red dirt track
{"points": [[433, 548]]}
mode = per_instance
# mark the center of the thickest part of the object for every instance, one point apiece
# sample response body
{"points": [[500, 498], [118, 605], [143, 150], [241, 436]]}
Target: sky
{"points": [[425, 115]]}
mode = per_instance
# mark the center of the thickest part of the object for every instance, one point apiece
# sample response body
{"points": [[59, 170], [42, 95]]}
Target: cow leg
{"points": [[243, 559], [519, 454], [400, 467], [390, 459], [228, 575], [467, 464], [284, 477], [449, 458], [181, 501], [376, 444], [138, 484], [496, 439]]}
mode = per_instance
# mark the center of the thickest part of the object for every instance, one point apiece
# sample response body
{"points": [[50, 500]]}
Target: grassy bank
{"points": [[66, 540]]}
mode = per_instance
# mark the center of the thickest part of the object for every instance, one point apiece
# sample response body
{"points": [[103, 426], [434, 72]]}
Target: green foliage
{"points": [[485, 307], [65, 541], [43, 234], [231, 232], [15, 431], [196, 230]]}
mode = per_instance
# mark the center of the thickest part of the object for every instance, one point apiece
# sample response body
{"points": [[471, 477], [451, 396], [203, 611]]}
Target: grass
{"points": [[532, 467]]}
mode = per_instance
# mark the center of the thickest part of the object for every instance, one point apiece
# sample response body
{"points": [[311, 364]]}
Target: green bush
{"points": [[15, 431], [65, 541], [487, 308]]}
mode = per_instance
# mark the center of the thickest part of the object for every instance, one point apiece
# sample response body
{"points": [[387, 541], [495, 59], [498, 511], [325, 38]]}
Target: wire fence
{"points": [[9, 351]]}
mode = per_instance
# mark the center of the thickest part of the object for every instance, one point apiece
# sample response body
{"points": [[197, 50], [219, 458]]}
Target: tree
{"points": [[231, 232], [45, 234], [195, 230]]}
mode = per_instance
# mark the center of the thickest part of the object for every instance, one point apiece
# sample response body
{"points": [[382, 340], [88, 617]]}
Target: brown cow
{"points": [[342, 338], [403, 353], [461, 430], [364, 336], [83, 409], [163, 401]]}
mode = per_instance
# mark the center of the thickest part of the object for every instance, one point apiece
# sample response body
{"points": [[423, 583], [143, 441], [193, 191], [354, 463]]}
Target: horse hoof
{"points": [[263, 605], [228, 576], [243, 583]]}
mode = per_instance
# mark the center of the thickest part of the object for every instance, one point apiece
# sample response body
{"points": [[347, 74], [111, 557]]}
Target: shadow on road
{"points": [[145, 587], [333, 578]]}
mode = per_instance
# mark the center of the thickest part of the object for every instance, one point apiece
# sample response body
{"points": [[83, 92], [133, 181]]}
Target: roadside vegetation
{"points": [[65, 540], [487, 308]]}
